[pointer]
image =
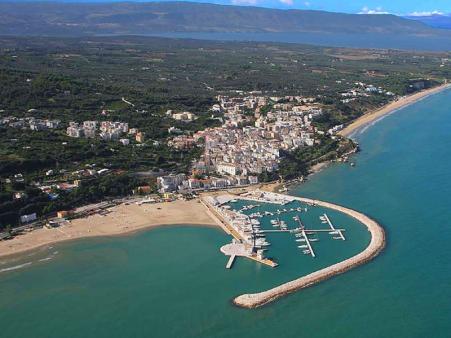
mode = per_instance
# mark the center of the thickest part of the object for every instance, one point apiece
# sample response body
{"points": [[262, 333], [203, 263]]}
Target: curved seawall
{"points": [[376, 245]]}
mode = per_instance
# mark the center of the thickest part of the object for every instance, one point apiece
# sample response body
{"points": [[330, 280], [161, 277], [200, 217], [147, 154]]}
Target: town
{"points": [[255, 130]]}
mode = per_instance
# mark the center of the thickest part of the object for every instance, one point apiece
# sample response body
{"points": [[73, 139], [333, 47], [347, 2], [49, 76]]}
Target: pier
{"points": [[236, 249], [230, 262], [307, 241], [339, 232]]}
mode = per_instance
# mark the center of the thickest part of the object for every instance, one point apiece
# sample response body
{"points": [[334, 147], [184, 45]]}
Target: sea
{"points": [[172, 282], [351, 40]]}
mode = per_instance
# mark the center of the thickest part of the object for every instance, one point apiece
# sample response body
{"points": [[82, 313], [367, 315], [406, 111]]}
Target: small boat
{"points": [[306, 252], [314, 240]]}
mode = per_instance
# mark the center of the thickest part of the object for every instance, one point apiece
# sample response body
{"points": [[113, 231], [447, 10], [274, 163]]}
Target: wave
{"points": [[16, 267], [23, 265]]}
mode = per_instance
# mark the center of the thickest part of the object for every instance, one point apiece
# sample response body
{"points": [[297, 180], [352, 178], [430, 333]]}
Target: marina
{"points": [[375, 246], [250, 224]]}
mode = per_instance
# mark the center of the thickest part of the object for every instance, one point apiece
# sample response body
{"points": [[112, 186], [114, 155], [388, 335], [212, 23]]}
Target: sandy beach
{"points": [[121, 219], [374, 115]]}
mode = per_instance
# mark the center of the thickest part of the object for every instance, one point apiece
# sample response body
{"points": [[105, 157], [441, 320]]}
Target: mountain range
{"points": [[441, 21], [120, 18]]}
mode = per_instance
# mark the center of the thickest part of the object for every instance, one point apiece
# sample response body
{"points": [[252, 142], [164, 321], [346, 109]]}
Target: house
{"points": [[253, 179], [140, 136], [63, 213], [144, 189], [75, 131], [170, 183], [227, 168]]}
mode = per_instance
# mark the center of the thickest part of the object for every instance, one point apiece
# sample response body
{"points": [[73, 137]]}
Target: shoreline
{"points": [[376, 245], [405, 101], [41, 237], [121, 220]]}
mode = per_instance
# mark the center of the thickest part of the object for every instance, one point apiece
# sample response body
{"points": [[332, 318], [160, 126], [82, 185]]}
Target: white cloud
{"points": [[377, 10], [431, 13], [287, 2], [307, 4], [244, 2]]}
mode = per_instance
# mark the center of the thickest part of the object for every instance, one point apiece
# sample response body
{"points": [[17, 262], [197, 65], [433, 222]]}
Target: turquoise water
{"points": [[171, 282]]}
